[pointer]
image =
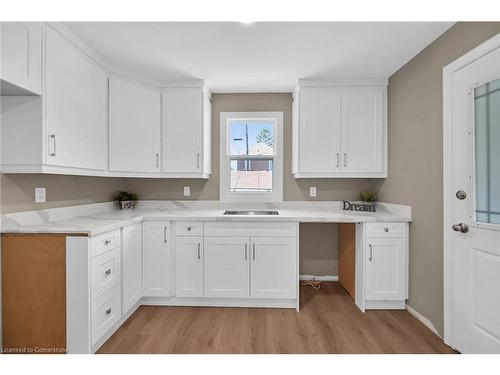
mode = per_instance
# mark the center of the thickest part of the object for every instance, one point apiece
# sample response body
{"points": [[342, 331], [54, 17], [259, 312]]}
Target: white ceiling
{"points": [[267, 56]]}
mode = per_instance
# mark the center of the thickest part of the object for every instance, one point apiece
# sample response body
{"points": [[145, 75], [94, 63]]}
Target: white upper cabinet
{"points": [[185, 133], [75, 106], [319, 131], [340, 132], [21, 58], [362, 130], [134, 127]]}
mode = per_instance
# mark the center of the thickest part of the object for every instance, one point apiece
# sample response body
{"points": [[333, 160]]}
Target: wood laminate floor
{"points": [[328, 322]]}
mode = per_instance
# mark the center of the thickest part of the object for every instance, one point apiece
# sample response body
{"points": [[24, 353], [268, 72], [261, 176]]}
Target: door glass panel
{"points": [[487, 152]]}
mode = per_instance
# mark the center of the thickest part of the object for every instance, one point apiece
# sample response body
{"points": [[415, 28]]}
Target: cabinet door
{"points": [[273, 267], [156, 259], [75, 106], [182, 131], [226, 267], [131, 265], [21, 53], [134, 127], [189, 266], [362, 130], [319, 131], [385, 269]]}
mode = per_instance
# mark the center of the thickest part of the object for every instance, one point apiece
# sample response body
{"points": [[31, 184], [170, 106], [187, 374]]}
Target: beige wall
{"points": [[18, 190], [415, 158]]}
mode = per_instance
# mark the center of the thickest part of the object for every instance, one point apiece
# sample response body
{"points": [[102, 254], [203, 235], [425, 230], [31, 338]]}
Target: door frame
{"points": [[448, 195]]}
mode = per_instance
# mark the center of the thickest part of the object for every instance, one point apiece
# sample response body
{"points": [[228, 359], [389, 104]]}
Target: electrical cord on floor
{"points": [[316, 284]]}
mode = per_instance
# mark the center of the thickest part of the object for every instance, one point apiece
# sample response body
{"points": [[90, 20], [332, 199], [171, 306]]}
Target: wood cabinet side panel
{"points": [[347, 257], [34, 293]]}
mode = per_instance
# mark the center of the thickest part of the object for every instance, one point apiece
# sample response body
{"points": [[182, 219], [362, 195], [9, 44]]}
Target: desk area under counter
{"points": [[190, 254]]}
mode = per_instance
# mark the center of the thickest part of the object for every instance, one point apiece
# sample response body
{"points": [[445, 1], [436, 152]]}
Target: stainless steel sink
{"points": [[228, 212]]}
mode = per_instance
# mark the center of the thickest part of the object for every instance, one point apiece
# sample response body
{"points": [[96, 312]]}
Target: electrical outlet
{"points": [[187, 191], [40, 195], [312, 191]]}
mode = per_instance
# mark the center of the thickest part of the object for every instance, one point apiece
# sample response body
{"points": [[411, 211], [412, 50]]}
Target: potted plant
{"points": [[125, 200]]}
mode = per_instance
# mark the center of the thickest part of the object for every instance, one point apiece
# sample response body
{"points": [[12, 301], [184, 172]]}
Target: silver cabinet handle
{"points": [[107, 242], [165, 234], [157, 159], [53, 138], [338, 159], [253, 251], [370, 258], [108, 271], [199, 247], [246, 249], [198, 160], [108, 311], [345, 159], [189, 229]]}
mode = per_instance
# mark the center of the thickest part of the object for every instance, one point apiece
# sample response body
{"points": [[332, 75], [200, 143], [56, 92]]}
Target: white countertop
{"points": [[99, 218]]}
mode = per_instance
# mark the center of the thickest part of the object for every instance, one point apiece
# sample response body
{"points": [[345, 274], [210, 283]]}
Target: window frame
{"points": [[226, 195]]}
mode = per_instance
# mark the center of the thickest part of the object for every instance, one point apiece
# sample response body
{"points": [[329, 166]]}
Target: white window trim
{"points": [[224, 175]]}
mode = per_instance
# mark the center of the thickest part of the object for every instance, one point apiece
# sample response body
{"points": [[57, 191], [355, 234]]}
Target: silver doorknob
{"points": [[461, 227]]}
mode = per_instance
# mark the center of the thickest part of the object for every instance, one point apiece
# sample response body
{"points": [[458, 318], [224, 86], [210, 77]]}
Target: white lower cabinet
{"points": [[156, 259], [385, 269], [189, 266], [273, 267], [227, 267], [131, 266], [106, 311]]}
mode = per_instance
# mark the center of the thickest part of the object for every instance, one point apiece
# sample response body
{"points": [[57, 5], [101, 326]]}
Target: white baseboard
{"points": [[426, 322], [319, 278]]}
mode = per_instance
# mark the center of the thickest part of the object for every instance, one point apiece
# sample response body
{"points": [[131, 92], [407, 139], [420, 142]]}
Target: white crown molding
{"points": [[347, 82]]}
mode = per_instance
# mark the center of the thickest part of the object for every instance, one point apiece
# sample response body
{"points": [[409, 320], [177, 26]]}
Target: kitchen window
{"points": [[251, 163]]}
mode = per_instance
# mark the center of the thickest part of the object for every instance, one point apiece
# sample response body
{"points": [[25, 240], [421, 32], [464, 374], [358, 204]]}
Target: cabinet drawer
{"points": [[386, 230], [105, 272], [104, 242], [189, 228], [105, 313]]}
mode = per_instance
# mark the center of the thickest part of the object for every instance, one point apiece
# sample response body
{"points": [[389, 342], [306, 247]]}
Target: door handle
{"points": [[345, 160], [165, 234], [460, 227], [53, 138], [198, 160], [108, 271], [253, 251], [157, 160], [338, 159], [246, 249], [199, 251], [370, 257]]}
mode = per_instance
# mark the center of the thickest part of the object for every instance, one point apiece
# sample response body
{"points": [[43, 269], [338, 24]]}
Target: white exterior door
{"points": [[189, 266], [385, 269], [131, 266], [134, 127], [472, 201], [226, 267], [182, 134], [319, 131], [75, 106], [156, 259], [362, 130], [273, 267]]}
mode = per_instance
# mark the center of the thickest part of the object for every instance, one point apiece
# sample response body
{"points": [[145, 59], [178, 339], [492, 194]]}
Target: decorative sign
{"points": [[359, 206]]}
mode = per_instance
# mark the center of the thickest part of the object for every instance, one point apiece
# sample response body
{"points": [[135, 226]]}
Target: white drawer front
{"points": [[250, 228], [105, 313], [104, 242], [189, 228], [386, 230], [106, 272]]}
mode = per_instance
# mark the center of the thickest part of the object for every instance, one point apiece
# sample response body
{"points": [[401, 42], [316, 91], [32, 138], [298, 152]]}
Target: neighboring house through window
{"points": [[251, 164]]}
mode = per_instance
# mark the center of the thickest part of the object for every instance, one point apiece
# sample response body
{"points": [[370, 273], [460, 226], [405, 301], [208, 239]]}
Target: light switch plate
{"points": [[40, 195], [312, 191], [187, 191]]}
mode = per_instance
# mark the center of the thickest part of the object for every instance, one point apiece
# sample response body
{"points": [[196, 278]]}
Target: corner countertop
{"points": [[94, 219]]}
